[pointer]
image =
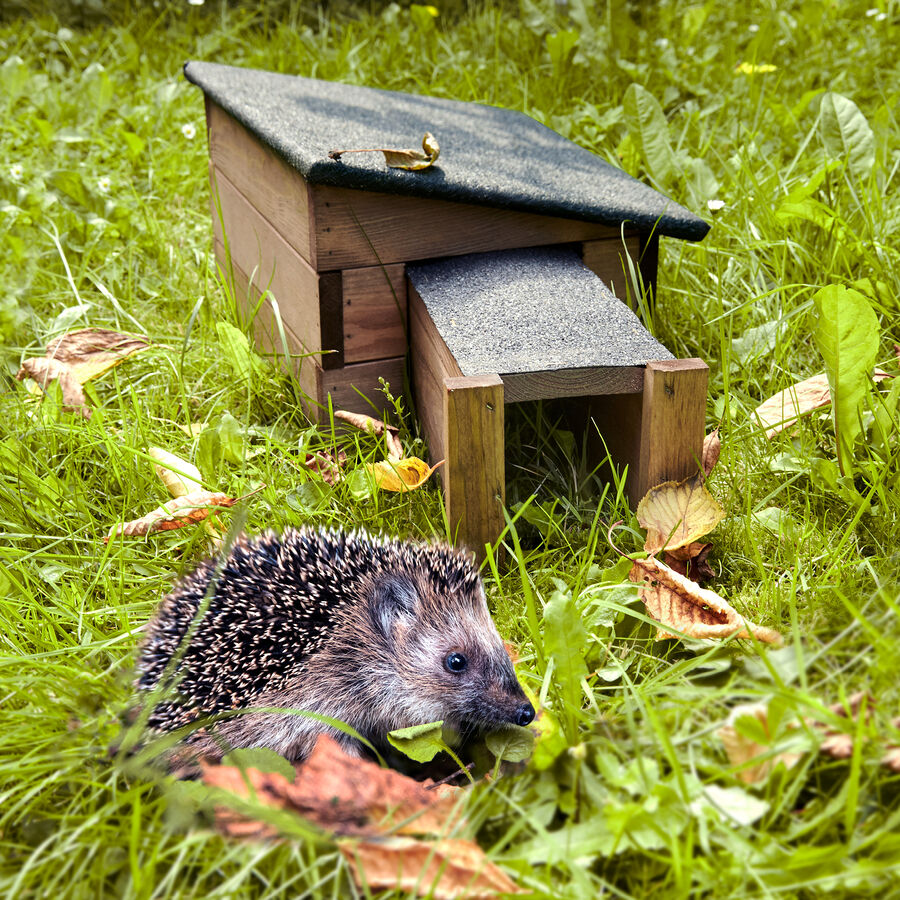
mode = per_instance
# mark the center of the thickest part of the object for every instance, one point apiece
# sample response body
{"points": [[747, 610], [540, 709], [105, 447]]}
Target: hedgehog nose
{"points": [[524, 714]]}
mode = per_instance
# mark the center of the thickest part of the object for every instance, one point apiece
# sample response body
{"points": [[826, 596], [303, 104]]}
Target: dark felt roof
{"points": [[516, 311], [489, 156]]}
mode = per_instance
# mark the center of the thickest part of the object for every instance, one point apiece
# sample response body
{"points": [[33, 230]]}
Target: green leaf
{"points": [[564, 642], [513, 743], [419, 742], [846, 134], [262, 759], [560, 45], [649, 130], [232, 436], [236, 349], [846, 333]]}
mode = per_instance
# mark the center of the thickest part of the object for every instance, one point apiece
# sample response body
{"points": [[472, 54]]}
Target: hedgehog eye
{"points": [[455, 662]]}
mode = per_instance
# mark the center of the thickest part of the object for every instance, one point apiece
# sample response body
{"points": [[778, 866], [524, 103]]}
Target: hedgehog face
{"points": [[449, 660]]}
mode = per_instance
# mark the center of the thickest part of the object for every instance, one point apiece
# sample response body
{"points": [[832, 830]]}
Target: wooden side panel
{"points": [[374, 312], [673, 418], [432, 362], [475, 474], [362, 228], [573, 383], [279, 192], [261, 252], [315, 382], [606, 259]]}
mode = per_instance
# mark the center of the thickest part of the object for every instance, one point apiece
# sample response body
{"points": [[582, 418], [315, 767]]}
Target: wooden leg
{"points": [[673, 420], [474, 475]]}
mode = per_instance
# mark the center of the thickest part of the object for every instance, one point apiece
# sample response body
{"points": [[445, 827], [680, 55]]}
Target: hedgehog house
{"points": [[491, 277]]}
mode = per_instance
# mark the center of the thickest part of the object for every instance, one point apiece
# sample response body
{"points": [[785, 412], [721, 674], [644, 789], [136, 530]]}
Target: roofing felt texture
{"points": [[489, 156], [517, 311]]}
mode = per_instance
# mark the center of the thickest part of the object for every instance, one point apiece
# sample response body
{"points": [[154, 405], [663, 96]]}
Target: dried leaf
{"points": [[90, 352], [376, 427], [741, 749], [709, 456], [193, 430], [43, 371], [177, 513], [401, 474], [783, 409], [327, 466], [691, 562], [412, 160], [340, 793], [179, 476], [678, 602], [677, 513], [446, 869]]}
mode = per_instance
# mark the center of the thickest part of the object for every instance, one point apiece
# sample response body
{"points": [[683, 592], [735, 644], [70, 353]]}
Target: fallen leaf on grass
{"points": [[339, 793], [376, 427], [401, 474], [43, 371], [675, 514], [691, 561], [677, 602], [449, 869], [783, 409], [90, 352], [742, 750], [177, 513], [712, 447], [327, 466], [412, 160], [179, 476]]}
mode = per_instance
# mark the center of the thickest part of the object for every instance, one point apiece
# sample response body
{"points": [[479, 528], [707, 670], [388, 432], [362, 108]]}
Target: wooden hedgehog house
{"points": [[490, 273]]}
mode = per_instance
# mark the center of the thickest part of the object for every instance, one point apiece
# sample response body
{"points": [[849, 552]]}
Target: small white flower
{"points": [[65, 34], [715, 205], [195, 2], [662, 43], [188, 130], [16, 171], [753, 28], [103, 184], [871, 12], [881, 17]]}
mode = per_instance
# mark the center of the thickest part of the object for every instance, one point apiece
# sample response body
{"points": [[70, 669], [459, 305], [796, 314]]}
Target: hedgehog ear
{"points": [[394, 602]]}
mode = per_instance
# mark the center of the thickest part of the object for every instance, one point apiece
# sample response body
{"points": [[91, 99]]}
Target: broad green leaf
{"points": [[419, 742], [513, 743], [846, 333], [236, 350], [846, 134], [649, 130], [560, 45], [260, 758], [564, 642], [232, 437]]}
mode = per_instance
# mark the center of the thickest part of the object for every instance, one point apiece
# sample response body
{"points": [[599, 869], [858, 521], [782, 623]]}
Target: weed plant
{"points": [[104, 208]]}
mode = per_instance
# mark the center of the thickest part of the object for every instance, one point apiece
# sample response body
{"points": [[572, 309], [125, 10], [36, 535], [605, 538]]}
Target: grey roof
{"points": [[489, 156], [517, 311]]}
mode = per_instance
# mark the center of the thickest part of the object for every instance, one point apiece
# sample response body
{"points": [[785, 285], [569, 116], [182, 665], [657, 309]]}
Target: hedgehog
{"points": [[379, 634]]}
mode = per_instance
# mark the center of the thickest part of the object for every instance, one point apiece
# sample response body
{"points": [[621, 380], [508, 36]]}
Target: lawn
{"points": [[777, 122]]}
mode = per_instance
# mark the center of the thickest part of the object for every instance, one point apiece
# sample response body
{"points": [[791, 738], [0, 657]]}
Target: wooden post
{"points": [[474, 475], [673, 420]]}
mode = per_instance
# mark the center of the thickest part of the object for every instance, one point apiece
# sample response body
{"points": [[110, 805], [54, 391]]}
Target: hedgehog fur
{"points": [[379, 634]]}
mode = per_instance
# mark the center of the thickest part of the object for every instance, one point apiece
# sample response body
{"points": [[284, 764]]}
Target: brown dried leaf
{"points": [[179, 476], [783, 409], [402, 474], [691, 561], [91, 351], [327, 466], [446, 869], [376, 427], [43, 371], [412, 160], [177, 513], [677, 513], [712, 447], [680, 603], [741, 749], [340, 793]]}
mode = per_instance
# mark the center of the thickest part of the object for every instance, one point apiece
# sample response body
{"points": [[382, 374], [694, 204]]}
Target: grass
{"points": [[104, 204]]}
